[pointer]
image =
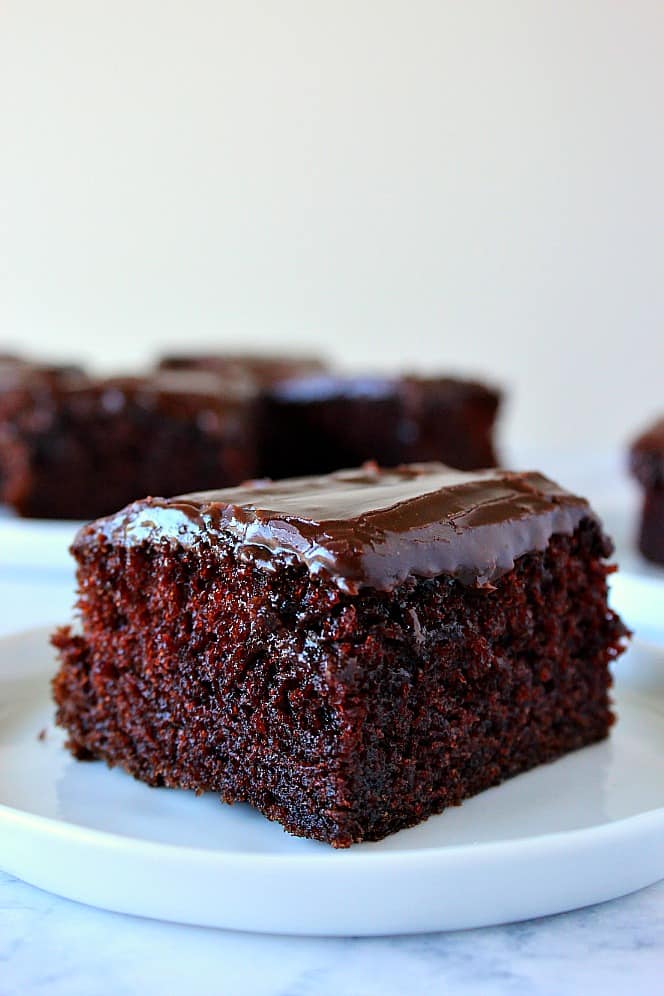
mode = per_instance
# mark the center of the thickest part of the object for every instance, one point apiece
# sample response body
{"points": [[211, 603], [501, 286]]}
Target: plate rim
{"points": [[90, 836]]}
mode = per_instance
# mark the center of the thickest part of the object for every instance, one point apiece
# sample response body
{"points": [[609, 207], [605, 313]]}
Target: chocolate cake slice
{"points": [[313, 421], [647, 465], [342, 421], [74, 446], [349, 654]]}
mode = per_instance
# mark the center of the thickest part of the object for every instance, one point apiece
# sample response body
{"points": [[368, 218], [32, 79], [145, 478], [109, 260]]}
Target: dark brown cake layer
{"points": [[367, 527], [72, 445], [345, 717], [343, 421]]}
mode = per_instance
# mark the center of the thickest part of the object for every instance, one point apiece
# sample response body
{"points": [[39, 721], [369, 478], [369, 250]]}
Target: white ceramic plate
{"points": [[587, 828]]}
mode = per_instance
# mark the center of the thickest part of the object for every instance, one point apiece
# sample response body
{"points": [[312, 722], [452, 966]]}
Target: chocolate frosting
{"points": [[366, 527]]}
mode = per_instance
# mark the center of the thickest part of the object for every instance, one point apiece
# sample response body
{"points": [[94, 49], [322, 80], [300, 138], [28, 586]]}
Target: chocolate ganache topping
{"points": [[366, 527]]}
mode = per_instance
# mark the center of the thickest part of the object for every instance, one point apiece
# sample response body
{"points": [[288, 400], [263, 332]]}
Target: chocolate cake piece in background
{"points": [[647, 465], [24, 386], [263, 369], [75, 447], [318, 424], [236, 416], [348, 654]]}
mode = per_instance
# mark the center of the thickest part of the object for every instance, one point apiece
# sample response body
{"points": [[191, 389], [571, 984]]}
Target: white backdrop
{"points": [[467, 185]]}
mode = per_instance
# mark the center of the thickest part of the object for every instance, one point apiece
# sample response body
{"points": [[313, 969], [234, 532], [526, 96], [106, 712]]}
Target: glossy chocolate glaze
{"points": [[366, 527]]}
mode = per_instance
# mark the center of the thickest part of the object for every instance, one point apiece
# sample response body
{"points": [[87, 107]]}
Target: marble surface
{"points": [[51, 946]]}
